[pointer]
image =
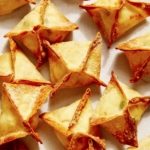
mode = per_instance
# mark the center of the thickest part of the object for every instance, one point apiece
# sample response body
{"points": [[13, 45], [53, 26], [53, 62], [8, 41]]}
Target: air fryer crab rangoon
{"points": [[75, 63], [43, 22], [72, 127], [115, 17], [137, 51], [19, 110], [119, 110]]}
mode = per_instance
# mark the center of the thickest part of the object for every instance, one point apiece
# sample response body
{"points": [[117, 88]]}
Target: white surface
{"points": [[111, 60]]}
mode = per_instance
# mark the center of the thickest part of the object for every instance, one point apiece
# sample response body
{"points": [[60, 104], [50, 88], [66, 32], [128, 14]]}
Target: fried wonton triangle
{"points": [[119, 110], [43, 22], [79, 63], [27, 99], [24, 70], [144, 144], [72, 127], [7, 7], [115, 17], [20, 105], [137, 51]]}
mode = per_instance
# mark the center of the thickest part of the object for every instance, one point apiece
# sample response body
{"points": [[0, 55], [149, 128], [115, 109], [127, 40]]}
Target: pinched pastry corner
{"points": [[72, 127]]}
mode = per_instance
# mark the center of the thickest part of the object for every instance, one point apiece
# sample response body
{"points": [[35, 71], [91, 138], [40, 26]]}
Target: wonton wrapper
{"points": [[6, 70], [115, 17], [72, 127], [8, 6], [75, 63], [43, 22], [137, 51], [23, 70], [119, 110], [19, 110], [143, 144], [14, 145]]}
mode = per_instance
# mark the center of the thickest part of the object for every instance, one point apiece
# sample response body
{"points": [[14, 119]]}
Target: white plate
{"points": [[111, 60]]}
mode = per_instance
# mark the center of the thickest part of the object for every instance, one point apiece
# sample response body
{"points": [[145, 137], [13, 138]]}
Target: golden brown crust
{"points": [[143, 144], [123, 128], [81, 106]]}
